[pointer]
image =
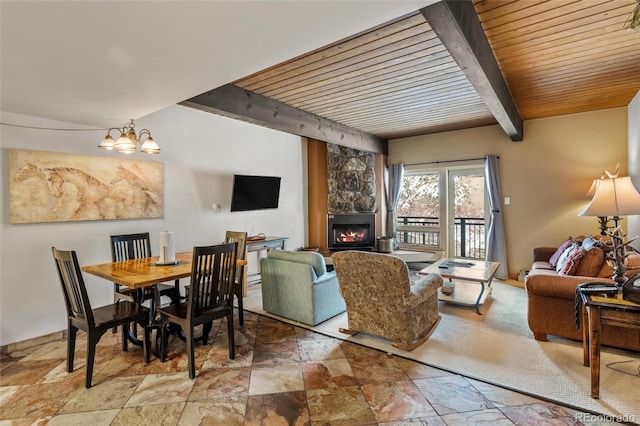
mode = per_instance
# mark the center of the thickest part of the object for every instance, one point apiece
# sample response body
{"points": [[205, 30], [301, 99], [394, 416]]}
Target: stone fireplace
{"points": [[351, 231], [351, 198], [343, 181]]}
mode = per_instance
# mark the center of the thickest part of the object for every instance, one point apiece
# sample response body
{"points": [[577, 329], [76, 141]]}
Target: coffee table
{"points": [[472, 280]]}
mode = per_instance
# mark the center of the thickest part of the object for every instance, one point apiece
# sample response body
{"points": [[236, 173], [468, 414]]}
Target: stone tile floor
{"points": [[282, 375]]}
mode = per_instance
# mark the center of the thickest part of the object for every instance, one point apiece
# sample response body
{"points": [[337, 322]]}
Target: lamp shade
{"points": [[613, 197]]}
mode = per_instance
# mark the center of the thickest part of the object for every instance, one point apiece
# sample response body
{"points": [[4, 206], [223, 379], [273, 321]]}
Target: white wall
{"points": [[634, 162], [200, 152]]}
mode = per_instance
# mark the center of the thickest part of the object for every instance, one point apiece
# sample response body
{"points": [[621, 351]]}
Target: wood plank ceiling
{"points": [[397, 80], [563, 57]]}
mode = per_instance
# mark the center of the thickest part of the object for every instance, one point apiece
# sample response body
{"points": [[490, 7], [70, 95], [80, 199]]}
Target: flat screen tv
{"points": [[255, 193]]}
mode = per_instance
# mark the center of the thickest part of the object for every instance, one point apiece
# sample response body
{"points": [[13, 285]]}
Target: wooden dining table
{"points": [[145, 272]]}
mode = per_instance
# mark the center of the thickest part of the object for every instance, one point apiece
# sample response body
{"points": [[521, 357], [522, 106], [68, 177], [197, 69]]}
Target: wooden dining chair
{"points": [[210, 297], [137, 246], [94, 322], [241, 239]]}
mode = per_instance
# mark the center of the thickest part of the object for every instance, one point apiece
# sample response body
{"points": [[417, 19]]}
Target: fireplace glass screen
{"points": [[351, 231], [350, 234]]}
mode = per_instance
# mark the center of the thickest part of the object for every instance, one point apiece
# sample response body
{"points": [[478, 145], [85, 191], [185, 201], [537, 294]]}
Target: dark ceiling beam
{"points": [[458, 27], [234, 102]]}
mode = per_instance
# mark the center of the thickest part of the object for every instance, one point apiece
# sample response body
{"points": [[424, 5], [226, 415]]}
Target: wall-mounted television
{"points": [[254, 193]]}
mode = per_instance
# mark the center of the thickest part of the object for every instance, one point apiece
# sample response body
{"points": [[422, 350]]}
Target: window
{"points": [[443, 209]]}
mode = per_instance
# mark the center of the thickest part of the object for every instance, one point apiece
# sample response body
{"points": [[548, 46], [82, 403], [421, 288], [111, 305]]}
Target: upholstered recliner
{"points": [[296, 285], [382, 300]]}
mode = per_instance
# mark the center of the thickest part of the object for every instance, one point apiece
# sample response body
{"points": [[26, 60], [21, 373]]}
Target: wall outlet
{"points": [[507, 201]]}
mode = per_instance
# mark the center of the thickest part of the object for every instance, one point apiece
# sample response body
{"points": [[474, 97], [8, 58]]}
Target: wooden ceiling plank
{"points": [[572, 60], [357, 70], [585, 93], [438, 61], [374, 48], [356, 66], [379, 88], [377, 91], [409, 94], [600, 76], [428, 120], [235, 102], [551, 36], [448, 127], [357, 97], [397, 72], [574, 15], [416, 95], [526, 11], [336, 48], [575, 49], [400, 120], [485, 6], [375, 114], [570, 107], [458, 26]]}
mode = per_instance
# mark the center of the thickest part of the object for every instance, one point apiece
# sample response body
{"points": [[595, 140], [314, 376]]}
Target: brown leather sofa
{"points": [[551, 302]]}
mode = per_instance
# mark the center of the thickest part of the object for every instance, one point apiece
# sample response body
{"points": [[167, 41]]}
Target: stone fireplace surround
{"points": [[351, 198], [351, 180], [342, 181]]}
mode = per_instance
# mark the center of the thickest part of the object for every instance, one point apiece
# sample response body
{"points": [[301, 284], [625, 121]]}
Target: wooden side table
{"points": [[596, 311]]}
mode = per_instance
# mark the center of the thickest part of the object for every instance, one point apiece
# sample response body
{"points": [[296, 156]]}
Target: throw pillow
{"points": [[591, 262], [553, 260], [589, 242], [633, 264], [565, 256], [572, 261]]}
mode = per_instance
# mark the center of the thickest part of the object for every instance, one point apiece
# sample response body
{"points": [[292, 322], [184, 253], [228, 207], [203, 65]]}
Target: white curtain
{"points": [[395, 172], [496, 243]]}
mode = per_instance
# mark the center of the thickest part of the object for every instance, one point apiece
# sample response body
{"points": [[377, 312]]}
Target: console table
{"points": [[598, 310], [259, 245]]}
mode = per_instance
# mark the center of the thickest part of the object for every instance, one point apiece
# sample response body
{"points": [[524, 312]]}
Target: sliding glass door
{"points": [[443, 210], [467, 207]]}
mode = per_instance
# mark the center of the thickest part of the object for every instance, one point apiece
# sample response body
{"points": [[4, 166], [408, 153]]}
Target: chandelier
{"points": [[129, 142]]}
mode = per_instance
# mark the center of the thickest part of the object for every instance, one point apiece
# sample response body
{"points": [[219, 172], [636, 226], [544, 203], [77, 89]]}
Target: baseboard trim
{"points": [[29, 343]]}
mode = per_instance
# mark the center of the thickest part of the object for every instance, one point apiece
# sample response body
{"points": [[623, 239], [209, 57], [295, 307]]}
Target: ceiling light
{"points": [[129, 142]]}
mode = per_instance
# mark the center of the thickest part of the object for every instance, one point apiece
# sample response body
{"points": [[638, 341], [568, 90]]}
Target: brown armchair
{"points": [[382, 301]]}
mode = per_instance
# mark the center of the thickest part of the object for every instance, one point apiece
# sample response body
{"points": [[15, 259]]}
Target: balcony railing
{"points": [[469, 234]]}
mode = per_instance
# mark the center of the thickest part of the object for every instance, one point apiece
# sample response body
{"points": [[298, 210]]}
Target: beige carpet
{"points": [[498, 348]]}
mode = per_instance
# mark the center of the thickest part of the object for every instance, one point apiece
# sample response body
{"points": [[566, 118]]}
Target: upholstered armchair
{"points": [[382, 301], [296, 285]]}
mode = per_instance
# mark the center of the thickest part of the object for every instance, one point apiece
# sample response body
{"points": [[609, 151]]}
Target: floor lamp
{"points": [[615, 197]]}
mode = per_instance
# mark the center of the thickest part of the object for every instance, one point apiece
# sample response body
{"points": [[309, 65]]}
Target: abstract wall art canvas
{"points": [[59, 187]]}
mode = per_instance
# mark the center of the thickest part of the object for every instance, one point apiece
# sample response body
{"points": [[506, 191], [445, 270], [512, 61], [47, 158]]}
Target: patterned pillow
{"points": [[565, 256], [572, 261], [553, 260]]}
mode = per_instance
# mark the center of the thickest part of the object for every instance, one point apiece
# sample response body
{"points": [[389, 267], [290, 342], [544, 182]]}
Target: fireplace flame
{"points": [[351, 236]]}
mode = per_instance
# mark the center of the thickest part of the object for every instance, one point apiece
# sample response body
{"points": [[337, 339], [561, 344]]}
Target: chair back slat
{"points": [[130, 246], [73, 288], [241, 239], [212, 277]]}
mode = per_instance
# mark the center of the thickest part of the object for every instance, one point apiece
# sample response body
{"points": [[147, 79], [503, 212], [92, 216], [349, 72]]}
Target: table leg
{"points": [[132, 329], [585, 334], [482, 290], [594, 343]]}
